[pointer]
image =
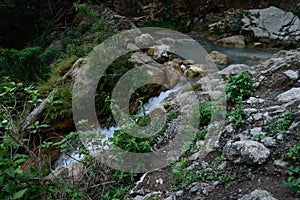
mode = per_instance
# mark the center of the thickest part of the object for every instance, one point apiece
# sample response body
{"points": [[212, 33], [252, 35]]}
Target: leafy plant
{"points": [[182, 176], [240, 86], [15, 103], [282, 123], [238, 22], [258, 137], [293, 180], [205, 111], [140, 145], [237, 116], [26, 65]]}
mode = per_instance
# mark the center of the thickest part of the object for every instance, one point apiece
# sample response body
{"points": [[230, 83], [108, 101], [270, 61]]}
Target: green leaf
{"points": [[10, 172], [19, 194]]}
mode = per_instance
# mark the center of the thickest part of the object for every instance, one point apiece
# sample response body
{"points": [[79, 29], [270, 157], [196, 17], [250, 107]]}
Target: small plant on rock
{"points": [[282, 123], [237, 117], [240, 86], [293, 180]]}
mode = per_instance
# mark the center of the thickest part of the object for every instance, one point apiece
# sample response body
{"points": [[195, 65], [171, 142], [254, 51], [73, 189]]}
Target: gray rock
{"points": [[256, 131], [272, 23], [132, 47], [247, 151], [257, 116], [258, 195], [159, 51], [254, 100], [169, 198], [141, 58], [200, 188], [280, 60], [269, 141], [294, 75], [249, 111], [217, 57], [279, 136], [290, 95], [144, 40], [233, 69], [236, 40], [147, 196], [179, 193], [194, 156], [281, 164]]}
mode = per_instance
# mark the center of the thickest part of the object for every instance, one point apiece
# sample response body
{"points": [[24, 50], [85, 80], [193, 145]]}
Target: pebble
{"points": [[281, 163]]}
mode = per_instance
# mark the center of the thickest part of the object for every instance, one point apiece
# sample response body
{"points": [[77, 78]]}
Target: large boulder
{"points": [[272, 23], [246, 151], [236, 40], [217, 57]]}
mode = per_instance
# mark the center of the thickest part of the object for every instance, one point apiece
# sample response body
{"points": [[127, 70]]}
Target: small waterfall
{"points": [[67, 159]]}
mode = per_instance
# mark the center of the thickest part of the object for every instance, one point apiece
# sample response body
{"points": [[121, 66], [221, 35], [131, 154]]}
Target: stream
{"points": [[235, 55]]}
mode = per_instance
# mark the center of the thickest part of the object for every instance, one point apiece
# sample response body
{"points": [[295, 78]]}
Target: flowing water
{"points": [[235, 55], [67, 159]]}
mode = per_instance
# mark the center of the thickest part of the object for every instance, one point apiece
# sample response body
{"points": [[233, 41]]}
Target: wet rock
{"points": [[272, 23], [195, 70], [173, 65], [159, 53], [257, 44], [236, 40], [258, 194], [167, 41], [217, 57], [247, 151], [290, 95], [189, 62]]}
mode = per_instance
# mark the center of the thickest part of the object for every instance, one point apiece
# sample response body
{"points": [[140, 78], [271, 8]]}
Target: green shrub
{"points": [[181, 176], [240, 86], [140, 145], [60, 105], [238, 22], [293, 180], [282, 123], [26, 65], [237, 116], [205, 111]]}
